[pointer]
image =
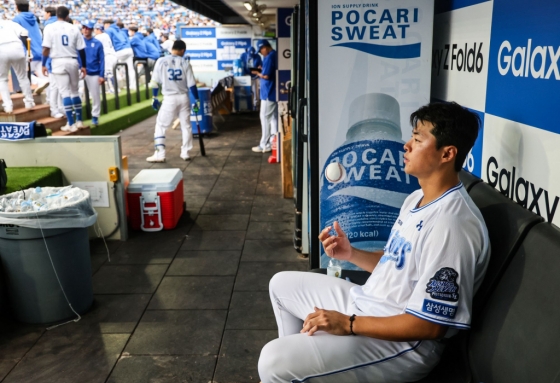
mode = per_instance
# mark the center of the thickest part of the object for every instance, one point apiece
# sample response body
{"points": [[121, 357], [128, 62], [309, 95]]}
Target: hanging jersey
{"points": [[10, 32], [108, 48], [433, 263], [63, 39], [174, 74]]}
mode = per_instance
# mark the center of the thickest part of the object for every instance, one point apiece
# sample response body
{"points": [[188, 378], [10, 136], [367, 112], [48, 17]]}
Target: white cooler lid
{"points": [[159, 180]]}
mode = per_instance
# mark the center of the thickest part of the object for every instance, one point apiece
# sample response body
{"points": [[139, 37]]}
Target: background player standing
{"points": [[269, 106], [176, 78], [29, 21], [109, 52], [12, 35], [95, 69], [53, 95], [63, 42]]}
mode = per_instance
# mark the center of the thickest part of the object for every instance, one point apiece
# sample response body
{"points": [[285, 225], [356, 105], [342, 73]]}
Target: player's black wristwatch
{"points": [[352, 318]]}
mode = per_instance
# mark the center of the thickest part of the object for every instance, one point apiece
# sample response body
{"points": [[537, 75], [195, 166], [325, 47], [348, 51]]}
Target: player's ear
{"points": [[448, 154]]}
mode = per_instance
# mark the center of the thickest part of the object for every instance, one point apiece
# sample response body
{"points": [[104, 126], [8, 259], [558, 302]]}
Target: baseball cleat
{"points": [[155, 159]]}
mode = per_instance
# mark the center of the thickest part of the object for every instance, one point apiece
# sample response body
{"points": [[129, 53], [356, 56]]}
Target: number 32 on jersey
{"points": [[175, 74]]}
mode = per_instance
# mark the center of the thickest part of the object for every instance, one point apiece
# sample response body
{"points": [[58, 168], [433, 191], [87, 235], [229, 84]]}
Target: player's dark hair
{"points": [[149, 30], [62, 12], [453, 126], [51, 11], [108, 21], [179, 45], [22, 7], [121, 25], [133, 28]]}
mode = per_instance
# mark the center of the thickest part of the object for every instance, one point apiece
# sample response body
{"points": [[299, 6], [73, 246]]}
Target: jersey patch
{"points": [[437, 308], [443, 285]]}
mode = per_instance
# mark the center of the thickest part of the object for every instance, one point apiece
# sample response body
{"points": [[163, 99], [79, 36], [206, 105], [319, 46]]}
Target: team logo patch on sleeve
{"points": [[443, 285]]}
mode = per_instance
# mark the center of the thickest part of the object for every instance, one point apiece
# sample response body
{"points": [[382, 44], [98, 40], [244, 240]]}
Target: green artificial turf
{"points": [[122, 119], [27, 177]]}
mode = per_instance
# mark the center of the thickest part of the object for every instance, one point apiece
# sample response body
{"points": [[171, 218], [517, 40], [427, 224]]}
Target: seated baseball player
{"points": [[422, 283]]}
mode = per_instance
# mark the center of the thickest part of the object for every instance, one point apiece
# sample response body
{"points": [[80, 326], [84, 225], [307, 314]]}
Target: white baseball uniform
{"points": [[13, 55], [433, 263], [110, 56], [64, 41], [176, 77]]}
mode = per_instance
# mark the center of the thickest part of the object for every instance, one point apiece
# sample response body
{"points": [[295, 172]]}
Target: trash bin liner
{"points": [[33, 289]]}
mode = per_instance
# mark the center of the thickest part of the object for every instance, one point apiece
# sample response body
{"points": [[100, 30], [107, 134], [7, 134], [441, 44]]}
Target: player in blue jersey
{"points": [[269, 106], [95, 69], [420, 291]]}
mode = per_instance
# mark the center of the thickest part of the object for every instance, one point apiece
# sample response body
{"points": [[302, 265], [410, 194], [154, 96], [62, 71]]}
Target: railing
{"points": [[115, 86]]}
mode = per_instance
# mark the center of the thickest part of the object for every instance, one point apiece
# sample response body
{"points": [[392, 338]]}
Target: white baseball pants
{"points": [[55, 100], [110, 61], [94, 89], [66, 72], [13, 56], [173, 106], [126, 56], [256, 95], [326, 358], [269, 121]]}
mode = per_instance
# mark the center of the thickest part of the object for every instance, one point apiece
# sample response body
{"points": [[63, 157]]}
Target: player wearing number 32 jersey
{"points": [[62, 42], [176, 78]]}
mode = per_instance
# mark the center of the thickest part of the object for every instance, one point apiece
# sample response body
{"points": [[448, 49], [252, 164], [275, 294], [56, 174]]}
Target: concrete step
{"points": [[85, 131], [26, 115], [17, 99], [54, 124]]}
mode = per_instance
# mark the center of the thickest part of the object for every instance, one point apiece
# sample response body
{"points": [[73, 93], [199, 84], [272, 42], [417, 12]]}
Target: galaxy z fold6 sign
{"points": [[374, 71]]}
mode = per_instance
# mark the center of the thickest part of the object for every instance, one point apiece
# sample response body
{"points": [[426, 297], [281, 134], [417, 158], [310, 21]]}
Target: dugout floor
{"points": [[185, 305]]}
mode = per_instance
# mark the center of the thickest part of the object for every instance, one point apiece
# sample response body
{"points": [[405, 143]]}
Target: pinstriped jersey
{"points": [[174, 74], [433, 263]]}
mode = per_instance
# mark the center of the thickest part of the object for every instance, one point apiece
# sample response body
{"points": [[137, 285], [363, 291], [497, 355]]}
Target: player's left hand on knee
{"points": [[330, 321]]}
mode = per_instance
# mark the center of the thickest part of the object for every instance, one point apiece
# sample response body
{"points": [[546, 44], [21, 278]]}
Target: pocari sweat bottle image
{"points": [[366, 186]]}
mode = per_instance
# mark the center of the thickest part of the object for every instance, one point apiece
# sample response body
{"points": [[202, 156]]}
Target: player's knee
{"points": [[278, 281], [272, 363]]}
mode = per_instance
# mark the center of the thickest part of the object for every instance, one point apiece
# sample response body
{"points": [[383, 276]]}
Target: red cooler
{"points": [[155, 199]]}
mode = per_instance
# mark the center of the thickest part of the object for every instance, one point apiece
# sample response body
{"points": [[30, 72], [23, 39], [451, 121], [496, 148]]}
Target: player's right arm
{"points": [[338, 246]]}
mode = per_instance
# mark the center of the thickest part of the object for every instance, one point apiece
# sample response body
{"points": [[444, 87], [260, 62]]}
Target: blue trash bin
{"points": [[204, 114]]}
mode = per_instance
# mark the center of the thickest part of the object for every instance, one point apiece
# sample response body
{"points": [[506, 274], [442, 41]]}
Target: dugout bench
{"points": [[515, 330]]}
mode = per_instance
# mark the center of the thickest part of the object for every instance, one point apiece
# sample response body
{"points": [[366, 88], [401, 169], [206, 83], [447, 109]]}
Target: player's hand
{"points": [[336, 246], [45, 71], [29, 58], [196, 106], [83, 72], [156, 104], [101, 80], [329, 321]]}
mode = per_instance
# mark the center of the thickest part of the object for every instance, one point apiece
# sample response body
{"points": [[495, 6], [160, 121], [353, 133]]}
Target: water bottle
{"points": [[334, 269], [363, 184]]}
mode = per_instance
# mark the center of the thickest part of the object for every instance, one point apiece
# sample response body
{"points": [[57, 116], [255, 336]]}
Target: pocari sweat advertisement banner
{"points": [[374, 71], [501, 58]]}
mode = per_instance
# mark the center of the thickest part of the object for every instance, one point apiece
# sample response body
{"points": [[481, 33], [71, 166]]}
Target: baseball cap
{"points": [[98, 26], [89, 24], [262, 43]]}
